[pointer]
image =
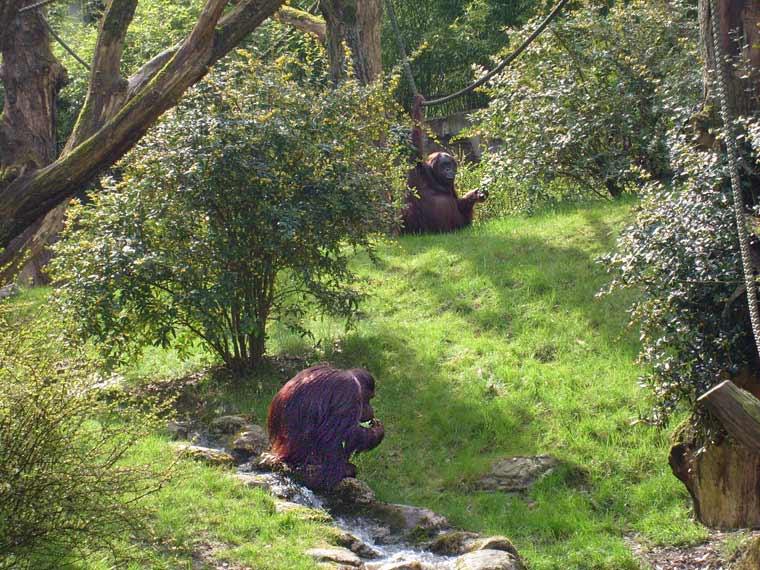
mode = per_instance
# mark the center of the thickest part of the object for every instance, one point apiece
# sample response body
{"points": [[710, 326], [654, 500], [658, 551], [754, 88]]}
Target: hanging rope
{"points": [[63, 44], [401, 48], [733, 168], [57, 38], [498, 69]]}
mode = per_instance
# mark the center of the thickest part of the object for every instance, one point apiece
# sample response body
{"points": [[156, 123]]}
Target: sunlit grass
{"points": [[485, 343], [492, 342]]}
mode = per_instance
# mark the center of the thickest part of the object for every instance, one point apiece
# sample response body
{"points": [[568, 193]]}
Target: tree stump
{"points": [[723, 479]]}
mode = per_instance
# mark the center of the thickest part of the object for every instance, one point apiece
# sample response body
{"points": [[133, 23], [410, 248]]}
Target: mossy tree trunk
{"points": [[117, 112]]}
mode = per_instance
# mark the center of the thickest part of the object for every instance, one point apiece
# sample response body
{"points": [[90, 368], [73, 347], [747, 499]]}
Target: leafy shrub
{"points": [[681, 253], [587, 108], [241, 206], [64, 489]]}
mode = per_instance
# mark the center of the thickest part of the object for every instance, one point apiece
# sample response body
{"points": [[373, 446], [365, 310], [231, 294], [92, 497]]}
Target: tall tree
{"points": [[34, 180]]}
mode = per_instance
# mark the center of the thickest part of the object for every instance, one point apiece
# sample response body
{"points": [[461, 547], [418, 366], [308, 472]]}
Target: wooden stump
{"points": [[723, 480]]}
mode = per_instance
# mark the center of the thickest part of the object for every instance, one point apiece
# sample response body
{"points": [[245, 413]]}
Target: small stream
{"points": [[384, 547]]}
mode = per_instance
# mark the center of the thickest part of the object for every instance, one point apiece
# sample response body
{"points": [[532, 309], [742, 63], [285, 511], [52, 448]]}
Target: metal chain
{"points": [[733, 168]]}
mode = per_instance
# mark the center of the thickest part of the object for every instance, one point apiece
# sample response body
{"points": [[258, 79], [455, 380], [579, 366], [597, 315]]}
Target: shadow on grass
{"points": [[531, 279]]}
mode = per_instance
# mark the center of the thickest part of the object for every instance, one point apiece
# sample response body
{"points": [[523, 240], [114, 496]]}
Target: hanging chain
{"points": [[733, 168]]}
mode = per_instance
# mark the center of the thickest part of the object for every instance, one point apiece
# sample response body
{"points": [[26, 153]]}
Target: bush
{"points": [[241, 206], [681, 254], [64, 489], [587, 108]]}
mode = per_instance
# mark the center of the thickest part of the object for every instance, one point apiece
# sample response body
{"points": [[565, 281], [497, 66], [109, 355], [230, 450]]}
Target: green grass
{"points": [[492, 342], [485, 343]]}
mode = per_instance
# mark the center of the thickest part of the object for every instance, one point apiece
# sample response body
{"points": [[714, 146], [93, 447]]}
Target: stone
{"points": [[488, 560], [249, 442], [353, 492], [452, 543], [356, 545], [254, 480], [408, 520], [227, 425], [492, 543], [304, 512], [341, 556], [515, 474], [178, 430], [206, 455]]}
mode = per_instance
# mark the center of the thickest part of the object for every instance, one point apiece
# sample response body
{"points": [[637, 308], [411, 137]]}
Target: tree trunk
{"points": [[355, 24], [32, 78], [116, 114], [740, 38], [723, 477]]}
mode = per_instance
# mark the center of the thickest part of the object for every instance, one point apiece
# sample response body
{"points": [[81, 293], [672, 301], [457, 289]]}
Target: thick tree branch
{"points": [[232, 28], [303, 21], [107, 89], [27, 198]]}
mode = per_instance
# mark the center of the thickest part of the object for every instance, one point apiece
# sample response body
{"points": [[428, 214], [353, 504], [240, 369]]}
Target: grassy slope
{"points": [[490, 343], [484, 343]]}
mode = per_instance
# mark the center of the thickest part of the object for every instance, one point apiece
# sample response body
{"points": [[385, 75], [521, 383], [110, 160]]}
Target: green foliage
{"points": [[487, 343], [241, 206], [65, 490], [587, 108], [681, 254]]}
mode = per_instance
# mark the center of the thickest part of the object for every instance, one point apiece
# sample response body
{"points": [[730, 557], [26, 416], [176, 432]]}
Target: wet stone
{"points": [[341, 556], [515, 474], [409, 520], [492, 543], [356, 545], [249, 442], [352, 491], [453, 543]]}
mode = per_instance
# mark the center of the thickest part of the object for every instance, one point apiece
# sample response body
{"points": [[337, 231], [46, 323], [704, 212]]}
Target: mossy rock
{"points": [[206, 455]]}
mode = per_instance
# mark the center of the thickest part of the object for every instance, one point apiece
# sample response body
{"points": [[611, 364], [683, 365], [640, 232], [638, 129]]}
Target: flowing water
{"points": [[389, 549]]}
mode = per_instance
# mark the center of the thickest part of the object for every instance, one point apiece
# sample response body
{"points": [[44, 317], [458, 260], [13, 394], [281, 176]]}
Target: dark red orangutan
{"points": [[432, 204], [314, 423]]}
